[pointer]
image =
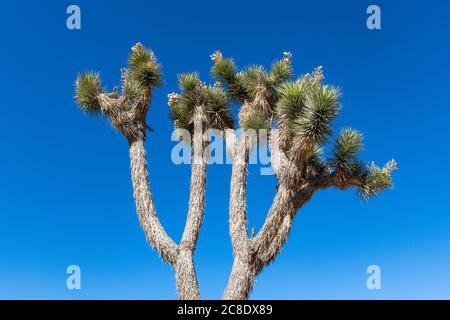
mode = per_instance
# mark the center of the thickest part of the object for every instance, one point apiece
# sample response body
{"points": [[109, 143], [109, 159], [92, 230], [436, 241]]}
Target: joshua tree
{"points": [[296, 116]]}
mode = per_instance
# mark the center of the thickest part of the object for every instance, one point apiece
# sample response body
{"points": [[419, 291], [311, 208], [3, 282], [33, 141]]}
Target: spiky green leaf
{"points": [[281, 71], [292, 98], [374, 182], [347, 147], [87, 88], [321, 107], [144, 67], [217, 109], [256, 122], [188, 82], [224, 70]]}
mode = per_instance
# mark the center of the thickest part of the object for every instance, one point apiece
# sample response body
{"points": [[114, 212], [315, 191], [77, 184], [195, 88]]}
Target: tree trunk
{"points": [[180, 257], [154, 232], [185, 275], [278, 240], [246, 266], [281, 205], [241, 278], [266, 245], [238, 207], [187, 283], [242, 274]]}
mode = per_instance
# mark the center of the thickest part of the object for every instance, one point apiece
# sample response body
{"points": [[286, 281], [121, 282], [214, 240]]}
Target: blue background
{"points": [[65, 189]]}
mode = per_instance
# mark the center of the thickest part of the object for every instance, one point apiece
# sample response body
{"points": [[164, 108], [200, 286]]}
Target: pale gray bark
{"points": [[185, 275], [265, 247], [249, 260], [242, 277], [281, 205], [181, 257], [276, 242], [155, 233], [239, 283], [186, 278]]}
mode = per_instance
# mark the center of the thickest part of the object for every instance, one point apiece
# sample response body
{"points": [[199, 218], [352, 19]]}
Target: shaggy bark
{"points": [[275, 231], [155, 233], [181, 257], [267, 254], [185, 275], [282, 203], [238, 209], [186, 278], [301, 197], [249, 262], [243, 269], [242, 277], [294, 190]]}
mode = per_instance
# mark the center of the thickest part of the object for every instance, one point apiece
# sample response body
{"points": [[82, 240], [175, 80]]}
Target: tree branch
{"points": [[186, 277], [275, 242], [238, 285], [198, 184], [238, 198], [154, 232]]}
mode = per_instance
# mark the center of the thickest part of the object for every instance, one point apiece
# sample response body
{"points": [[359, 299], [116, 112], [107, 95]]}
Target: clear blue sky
{"points": [[65, 189]]}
